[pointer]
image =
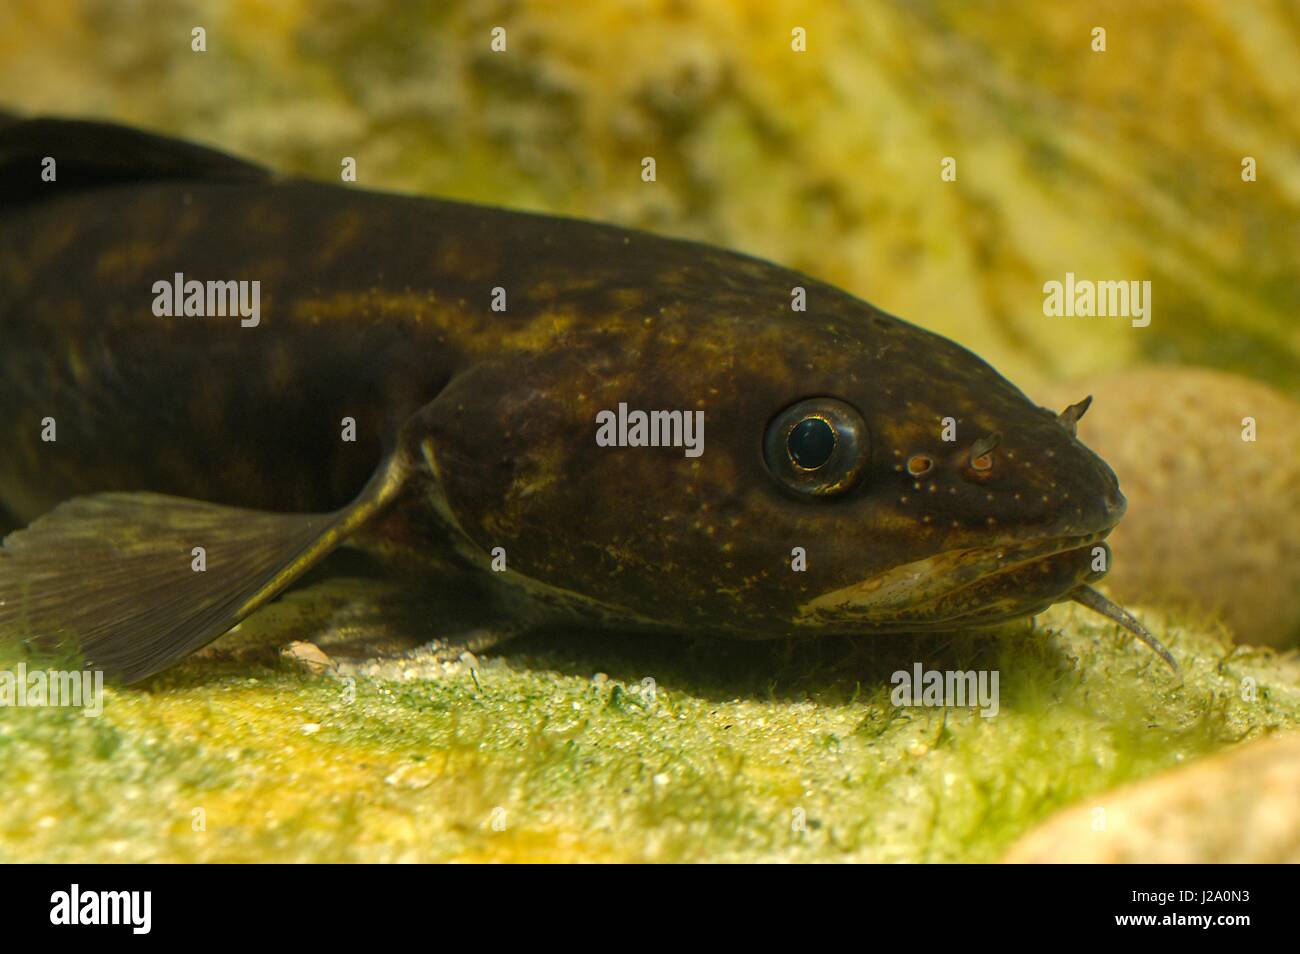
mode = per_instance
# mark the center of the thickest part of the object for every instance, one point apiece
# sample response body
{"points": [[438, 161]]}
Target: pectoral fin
{"points": [[120, 577]]}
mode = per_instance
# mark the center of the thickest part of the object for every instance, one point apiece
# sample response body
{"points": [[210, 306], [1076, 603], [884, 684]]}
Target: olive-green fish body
{"points": [[635, 428]]}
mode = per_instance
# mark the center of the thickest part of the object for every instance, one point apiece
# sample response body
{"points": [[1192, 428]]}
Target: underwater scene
{"points": [[656, 431]]}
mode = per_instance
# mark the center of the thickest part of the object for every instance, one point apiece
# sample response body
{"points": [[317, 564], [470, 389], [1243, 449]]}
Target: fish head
{"points": [[850, 472], [938, 494]]}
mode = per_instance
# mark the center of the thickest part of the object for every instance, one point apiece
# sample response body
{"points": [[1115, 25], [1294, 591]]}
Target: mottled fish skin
{"points": [[377, 307]]}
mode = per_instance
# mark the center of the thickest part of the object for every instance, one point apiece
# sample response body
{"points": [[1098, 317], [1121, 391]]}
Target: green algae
{"points": [[561, 749]]}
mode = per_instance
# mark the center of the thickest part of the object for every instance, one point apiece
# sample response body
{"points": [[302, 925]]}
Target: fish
{"points": [[214, 375]]}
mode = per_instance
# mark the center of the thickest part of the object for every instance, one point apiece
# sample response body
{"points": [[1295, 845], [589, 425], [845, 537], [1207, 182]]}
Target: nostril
{"points": [[983, 449], [919, 464], [980, 460]]}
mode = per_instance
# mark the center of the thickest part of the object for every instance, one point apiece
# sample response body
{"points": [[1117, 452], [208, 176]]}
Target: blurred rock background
{"points": [[1213, 525], [1113, 165]]}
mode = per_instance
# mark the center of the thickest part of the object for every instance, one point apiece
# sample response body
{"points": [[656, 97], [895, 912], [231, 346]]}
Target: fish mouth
{"points": [[975, 586]]}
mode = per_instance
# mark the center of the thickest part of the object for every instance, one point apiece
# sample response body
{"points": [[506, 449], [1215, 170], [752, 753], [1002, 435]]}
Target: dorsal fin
{"points": [[89, 155]]}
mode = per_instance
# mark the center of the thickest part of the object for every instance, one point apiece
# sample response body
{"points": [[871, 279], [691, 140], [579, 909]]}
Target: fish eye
{"points": [[811, 443], [816, 447]]}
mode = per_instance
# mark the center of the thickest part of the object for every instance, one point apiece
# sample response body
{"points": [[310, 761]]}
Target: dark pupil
{"points": [[811, 442]]}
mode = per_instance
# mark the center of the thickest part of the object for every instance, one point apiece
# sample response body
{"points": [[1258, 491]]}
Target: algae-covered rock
{"points": [[600, 747], [1241, 806], [1210, 464]]}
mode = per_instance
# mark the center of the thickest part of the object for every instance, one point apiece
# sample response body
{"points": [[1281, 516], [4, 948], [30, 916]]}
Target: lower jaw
{"points": [[1025, 584], [1024, 590]]}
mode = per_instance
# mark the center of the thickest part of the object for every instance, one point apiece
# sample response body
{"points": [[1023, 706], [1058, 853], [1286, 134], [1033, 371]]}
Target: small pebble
{"points": [[308, 657], [1238, 806]]}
